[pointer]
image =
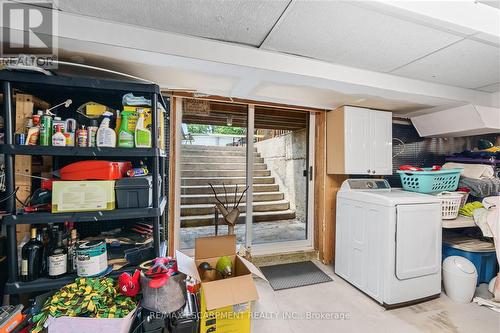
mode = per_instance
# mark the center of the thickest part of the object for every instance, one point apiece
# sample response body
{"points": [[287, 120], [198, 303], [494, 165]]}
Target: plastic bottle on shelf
{"points": [[125, 136], [106, 136], [92, 133], [142, 135], [58, 138]]}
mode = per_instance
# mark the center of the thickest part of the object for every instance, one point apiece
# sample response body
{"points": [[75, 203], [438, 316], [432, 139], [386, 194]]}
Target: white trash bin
{"points": [[460, 278]]}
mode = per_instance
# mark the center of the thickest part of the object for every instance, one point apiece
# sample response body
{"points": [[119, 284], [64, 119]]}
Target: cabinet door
{"points": [[380, 143], [357, 133]]}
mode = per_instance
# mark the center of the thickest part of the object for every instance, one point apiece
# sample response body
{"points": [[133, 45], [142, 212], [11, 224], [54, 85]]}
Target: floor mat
{"points": [[297, 274]]}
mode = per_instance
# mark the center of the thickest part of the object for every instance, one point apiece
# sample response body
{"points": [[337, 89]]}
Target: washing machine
{"points": [[388, 242]]}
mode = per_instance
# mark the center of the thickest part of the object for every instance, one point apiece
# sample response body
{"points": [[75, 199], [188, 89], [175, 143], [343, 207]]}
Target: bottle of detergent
{"points": [[58, 139], [142, 135], [125, 136], [106, 136]]}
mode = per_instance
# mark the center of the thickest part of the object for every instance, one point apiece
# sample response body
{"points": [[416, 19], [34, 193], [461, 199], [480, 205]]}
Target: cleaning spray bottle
{"points": [[125, 136], [106, 136], [142, 135]]}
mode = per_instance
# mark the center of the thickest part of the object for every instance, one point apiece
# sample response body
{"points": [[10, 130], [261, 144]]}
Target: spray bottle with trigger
{"points": [[106, 136]]}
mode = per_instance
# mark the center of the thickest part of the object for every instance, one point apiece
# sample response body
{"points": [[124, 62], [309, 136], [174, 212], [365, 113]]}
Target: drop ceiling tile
{"points": [[239, 21], [492, 3], [467, 64], [341, 33], [491, 88]]}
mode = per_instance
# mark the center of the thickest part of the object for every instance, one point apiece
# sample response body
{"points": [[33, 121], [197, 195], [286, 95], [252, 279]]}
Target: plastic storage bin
{"points": [[485, 262], [134, 192], [430, 181], [459, 279]]}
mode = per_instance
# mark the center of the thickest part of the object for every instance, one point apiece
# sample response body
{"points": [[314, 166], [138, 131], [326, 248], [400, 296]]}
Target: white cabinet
{"points": [[359, 141]]}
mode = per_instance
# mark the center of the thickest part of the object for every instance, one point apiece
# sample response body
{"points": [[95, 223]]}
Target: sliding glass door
{"points": [[251, 165]]}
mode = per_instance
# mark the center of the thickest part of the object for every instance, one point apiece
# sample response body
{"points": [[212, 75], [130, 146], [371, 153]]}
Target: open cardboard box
{"points": [[220, 293]]}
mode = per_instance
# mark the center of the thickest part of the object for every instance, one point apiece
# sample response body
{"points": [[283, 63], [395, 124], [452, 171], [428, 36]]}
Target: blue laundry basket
{"points": [[428, 181]]}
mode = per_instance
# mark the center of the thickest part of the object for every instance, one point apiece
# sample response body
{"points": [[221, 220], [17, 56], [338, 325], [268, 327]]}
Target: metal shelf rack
{"points": [[81, 89]]}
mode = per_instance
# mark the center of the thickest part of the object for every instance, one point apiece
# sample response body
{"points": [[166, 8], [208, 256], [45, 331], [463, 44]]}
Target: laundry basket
{"points": [[450, 204], [465, 196], [428, 181]]}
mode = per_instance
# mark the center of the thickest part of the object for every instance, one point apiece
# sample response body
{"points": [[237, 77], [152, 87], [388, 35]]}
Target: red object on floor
{"points": [[95, 170]]}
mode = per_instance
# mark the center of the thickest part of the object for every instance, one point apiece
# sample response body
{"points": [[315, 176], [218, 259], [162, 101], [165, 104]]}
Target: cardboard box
{"points": [[225, 303], [85, 325], [83, 196]]}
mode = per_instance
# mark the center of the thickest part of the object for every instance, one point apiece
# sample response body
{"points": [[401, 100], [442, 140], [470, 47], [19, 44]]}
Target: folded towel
{"points": [[476, 171], [481, 187]]}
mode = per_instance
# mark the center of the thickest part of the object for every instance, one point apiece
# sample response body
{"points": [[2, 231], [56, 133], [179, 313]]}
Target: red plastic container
{"points": [[95, 170]]}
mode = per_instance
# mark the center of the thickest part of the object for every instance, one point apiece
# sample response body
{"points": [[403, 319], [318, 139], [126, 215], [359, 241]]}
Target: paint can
{"points": [[91, 258]]}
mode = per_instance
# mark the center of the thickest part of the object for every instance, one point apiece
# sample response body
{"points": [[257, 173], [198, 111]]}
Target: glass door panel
{"points": [[213, 158], [280, 167]]}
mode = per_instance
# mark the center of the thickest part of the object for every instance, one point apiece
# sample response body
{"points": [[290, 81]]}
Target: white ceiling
{"points": [[239, 21], [352, 33], [468, 64], [341, 33]]}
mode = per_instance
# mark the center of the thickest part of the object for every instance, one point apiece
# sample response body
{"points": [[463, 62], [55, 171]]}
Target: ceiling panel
{"points": [[467, 64], [491, 88], [492, 3], [341, 33], [240, 21]]}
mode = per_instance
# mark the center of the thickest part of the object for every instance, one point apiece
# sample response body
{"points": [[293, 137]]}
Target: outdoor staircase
{"points": [[219, 165]]}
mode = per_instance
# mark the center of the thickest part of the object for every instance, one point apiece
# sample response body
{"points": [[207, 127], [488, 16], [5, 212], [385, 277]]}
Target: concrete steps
{"points": [[217, 165], [188, 181], [223, 173], [205, 220], [194, 199], [220, 166], [205, 189], [213, 148], [263, 206], [218, 159]]}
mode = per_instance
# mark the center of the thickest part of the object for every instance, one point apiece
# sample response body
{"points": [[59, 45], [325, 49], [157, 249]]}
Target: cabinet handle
{"points": [[373, 171], [368, 170]]}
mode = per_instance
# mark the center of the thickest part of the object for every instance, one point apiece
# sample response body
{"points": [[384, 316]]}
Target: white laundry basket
{"points": [[450, 204], [459, 279]]}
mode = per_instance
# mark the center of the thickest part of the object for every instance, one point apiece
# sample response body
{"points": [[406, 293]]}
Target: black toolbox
{"points": [[134, 192]]}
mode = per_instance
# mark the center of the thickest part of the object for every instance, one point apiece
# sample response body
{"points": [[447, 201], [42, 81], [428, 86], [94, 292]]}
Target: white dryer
{"points": [[388, 242]]}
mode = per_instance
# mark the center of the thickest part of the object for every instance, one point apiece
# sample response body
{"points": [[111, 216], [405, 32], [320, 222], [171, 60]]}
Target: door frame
{"points": [[175, 187]]}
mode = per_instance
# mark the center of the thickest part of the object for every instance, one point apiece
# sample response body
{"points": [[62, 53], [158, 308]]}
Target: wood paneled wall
{"points": [[325, 188]]}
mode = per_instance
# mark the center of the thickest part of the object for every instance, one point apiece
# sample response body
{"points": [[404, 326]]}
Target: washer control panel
{"points": [[365, 185]]}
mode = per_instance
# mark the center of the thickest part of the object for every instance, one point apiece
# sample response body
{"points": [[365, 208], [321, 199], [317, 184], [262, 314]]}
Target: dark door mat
{"points": [[293, 275]]}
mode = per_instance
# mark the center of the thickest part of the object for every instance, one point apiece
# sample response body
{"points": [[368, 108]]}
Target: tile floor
{"points": [[363, 314]]}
